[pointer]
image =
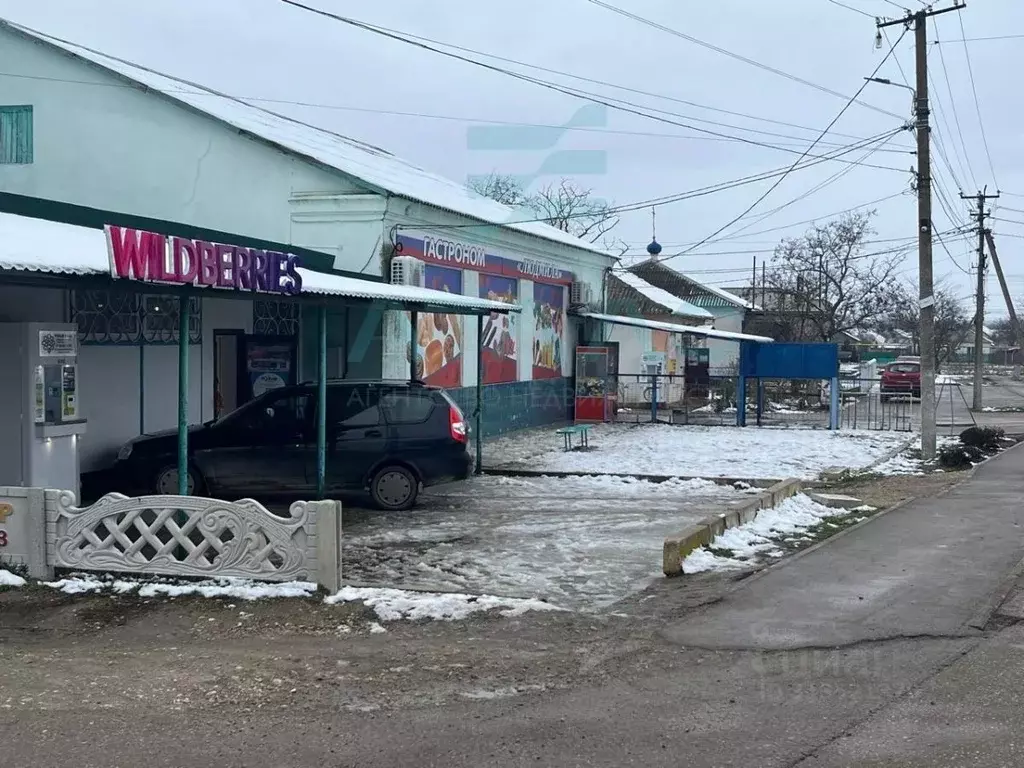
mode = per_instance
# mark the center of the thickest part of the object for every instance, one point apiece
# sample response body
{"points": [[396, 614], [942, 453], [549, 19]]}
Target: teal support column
{"points": [[833, 405], [414, 317], [321, 403], [183, 317], [741, 402], [478, 415]]}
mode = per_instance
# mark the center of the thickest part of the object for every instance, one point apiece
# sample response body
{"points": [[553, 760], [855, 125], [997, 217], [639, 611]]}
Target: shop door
{"points": [[267, 363]]}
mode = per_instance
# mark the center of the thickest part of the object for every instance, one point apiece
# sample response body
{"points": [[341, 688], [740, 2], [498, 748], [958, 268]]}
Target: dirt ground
{"points": [[103, 651]]}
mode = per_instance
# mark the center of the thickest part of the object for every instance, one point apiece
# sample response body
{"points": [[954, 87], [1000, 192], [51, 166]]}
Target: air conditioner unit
{"points": [[407, 270], [580, 294]]}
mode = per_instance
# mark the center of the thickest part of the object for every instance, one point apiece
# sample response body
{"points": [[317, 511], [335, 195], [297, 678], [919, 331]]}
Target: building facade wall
{"points": [[103, 143]]}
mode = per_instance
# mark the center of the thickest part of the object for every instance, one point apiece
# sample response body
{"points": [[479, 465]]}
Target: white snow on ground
{"points": [[396, 604], [760, 537], [239, 589], [591, 487], [692, 451], [908, 462], [8, 579]]}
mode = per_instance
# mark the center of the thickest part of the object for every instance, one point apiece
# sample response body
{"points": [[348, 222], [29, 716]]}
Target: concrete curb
{"points": [[755, 482], [678, 546]]}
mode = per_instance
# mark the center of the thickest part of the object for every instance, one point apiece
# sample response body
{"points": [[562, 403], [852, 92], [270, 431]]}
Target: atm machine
{"points": [[41, 420]]}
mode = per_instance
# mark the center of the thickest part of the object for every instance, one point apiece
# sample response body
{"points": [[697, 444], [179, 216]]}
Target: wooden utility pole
{"points": [[919, 21], [979, 301]]}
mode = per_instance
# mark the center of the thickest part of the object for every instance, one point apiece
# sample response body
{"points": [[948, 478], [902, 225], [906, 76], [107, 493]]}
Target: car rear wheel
{"points": [[394, 488], [166, 482]]}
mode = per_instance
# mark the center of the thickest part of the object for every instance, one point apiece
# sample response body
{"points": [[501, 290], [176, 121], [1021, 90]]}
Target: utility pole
{"points": [[979, 301], [919, 20], [1018, 331]]}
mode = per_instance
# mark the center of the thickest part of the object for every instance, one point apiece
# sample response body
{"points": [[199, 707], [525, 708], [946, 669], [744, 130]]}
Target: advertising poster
{"points": [[269, 366], [439, 335], [500, 345], [549, 321]]}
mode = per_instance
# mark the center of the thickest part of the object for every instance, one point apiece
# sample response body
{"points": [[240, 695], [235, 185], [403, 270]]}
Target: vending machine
{"points": [[41, 419]]}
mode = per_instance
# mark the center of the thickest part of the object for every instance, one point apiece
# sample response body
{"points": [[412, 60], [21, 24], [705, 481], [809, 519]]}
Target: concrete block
{"points": [[835, 500], [677, 547]]}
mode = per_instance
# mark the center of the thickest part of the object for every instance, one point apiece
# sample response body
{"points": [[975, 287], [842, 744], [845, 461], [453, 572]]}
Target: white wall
{"points": [[633, 342], [108, 380], [722, 353], [113, 146], [19, 304]]}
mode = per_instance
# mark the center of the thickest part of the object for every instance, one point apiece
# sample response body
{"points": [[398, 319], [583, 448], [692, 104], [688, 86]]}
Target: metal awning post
{"points": [[478, 420], [415, 321], [321, 402], [184, 305]]}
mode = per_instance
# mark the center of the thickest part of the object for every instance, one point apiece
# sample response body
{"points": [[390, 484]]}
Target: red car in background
{"points": [[901, 377]]}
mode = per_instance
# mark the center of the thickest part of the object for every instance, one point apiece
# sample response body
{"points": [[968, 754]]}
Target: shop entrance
{"points": [[247, 365]]}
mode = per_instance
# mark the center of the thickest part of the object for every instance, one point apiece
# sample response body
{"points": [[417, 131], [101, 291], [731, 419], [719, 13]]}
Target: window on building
{"points": [[274, 317], [125, 317], [15, 135]]}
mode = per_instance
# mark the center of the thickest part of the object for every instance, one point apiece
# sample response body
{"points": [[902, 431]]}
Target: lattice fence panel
{"points": [[185, 536]]}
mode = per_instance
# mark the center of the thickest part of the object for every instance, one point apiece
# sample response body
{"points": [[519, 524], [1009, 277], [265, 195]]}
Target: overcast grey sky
{"points": [[266, 49]]}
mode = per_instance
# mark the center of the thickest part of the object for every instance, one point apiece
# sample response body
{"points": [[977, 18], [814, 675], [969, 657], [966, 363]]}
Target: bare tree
{"points": [[504, 188], [575, 210], [824, 283], [953, 321], [564, 205]]}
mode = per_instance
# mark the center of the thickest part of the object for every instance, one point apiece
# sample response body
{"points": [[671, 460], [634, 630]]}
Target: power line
{"points": [[632, 108], [779, 180], [982, 39], [432, 116], [562, 73], [738, 57], [851, 8], [956, 115], [977, 105]]}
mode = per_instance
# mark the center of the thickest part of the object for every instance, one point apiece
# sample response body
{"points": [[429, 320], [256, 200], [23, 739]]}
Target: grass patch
{"points": [[721, 552], [825, 529]]}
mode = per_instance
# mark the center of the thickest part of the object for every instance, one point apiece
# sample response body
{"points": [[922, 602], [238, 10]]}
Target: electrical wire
{"points": [[738, 57], [618, 104], [450, 118], [851, 8], [779, 180], [952, 105], [977, 105]]}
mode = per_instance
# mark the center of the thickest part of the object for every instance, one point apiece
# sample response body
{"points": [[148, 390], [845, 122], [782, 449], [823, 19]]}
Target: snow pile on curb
{"points": [[8, 579], [395, 604], [239, 589], [906, 463], [760, 536]]}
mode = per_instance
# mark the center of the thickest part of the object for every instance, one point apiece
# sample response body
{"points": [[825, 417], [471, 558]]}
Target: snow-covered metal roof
{"points": [[672, 303], [49, 247], [656, 271], [639, 322], [372, 165]]}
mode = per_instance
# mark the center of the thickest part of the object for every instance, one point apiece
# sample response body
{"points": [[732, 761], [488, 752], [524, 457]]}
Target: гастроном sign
{"points": [[149, 257], [450, 253]]}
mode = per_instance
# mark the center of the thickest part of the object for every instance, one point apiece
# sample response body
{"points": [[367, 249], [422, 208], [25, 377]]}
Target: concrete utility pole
{"points": [[979, 301], [1018, 331], [919, 20]]}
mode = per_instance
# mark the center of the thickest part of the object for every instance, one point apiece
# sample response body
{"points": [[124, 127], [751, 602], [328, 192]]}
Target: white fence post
{"points": [[323, 557], [23, 530]]}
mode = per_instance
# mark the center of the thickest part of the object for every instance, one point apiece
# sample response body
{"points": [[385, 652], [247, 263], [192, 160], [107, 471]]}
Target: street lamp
{"points": [[887, 81]]}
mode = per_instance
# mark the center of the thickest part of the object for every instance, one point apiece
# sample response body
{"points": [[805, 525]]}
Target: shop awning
{"points": [[38, 246], [640, 322]]}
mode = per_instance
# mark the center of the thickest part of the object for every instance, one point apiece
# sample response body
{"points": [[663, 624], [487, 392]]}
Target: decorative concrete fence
{"points": [[182, 536]]}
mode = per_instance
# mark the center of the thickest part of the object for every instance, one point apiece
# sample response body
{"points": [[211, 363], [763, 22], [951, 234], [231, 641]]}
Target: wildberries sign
{"points": [[150, 257]]}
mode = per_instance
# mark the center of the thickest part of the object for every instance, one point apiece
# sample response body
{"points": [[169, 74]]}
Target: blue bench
{"points": [[581, 430]]}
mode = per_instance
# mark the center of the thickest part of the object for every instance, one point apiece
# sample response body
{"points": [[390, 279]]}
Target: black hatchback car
{"points": [[388, 438]]}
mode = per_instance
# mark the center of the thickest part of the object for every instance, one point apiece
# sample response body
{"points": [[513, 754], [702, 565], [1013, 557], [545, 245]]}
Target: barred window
{"points": [[274, 317], [125, 317]]}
